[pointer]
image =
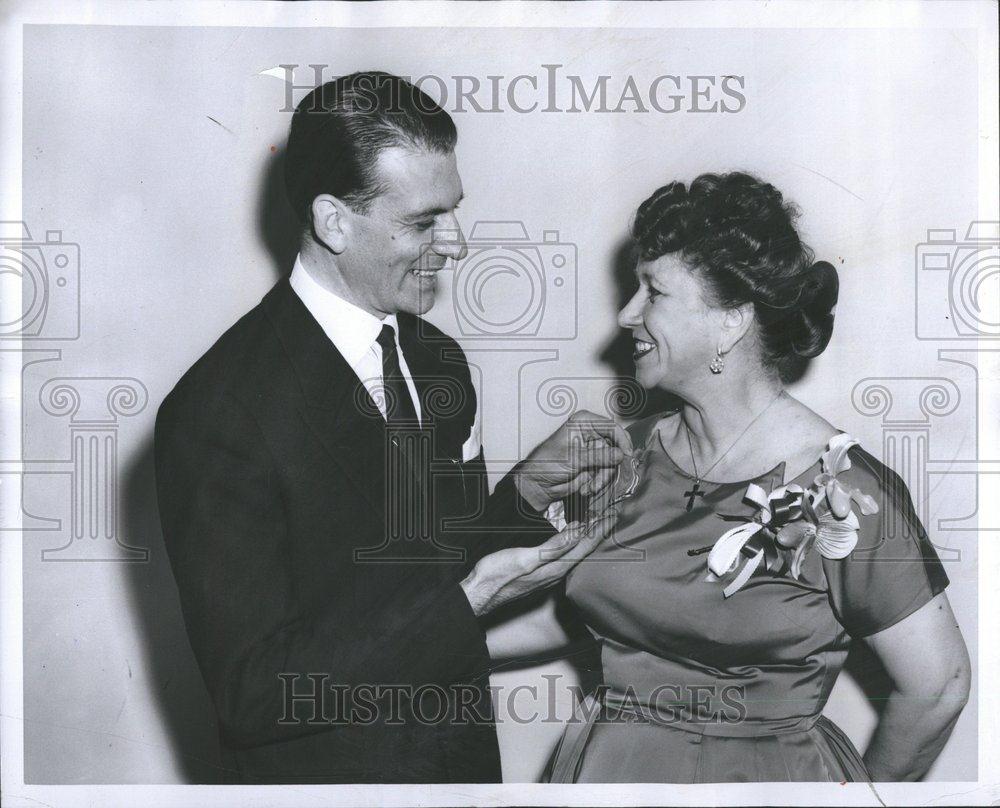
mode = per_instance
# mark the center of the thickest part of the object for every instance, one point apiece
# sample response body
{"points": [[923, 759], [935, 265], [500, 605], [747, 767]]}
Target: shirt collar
{"points": [[351, 329]]}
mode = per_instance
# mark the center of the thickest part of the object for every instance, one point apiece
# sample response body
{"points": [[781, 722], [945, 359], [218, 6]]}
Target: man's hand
{"points": [[510, 574], [581, 457]]}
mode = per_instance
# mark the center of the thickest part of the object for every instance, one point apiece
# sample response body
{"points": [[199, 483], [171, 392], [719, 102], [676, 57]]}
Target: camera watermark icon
{"points": [[958, 284], [47, 305], [510, 286]]}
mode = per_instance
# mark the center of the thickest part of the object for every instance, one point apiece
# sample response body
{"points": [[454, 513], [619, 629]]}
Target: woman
{"points": [[721, 638]]}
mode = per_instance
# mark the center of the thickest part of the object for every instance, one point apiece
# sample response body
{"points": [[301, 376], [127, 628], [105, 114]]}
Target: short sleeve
{"points": [[894, 569]]}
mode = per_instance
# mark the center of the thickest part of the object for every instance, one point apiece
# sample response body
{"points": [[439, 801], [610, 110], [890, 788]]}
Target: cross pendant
{"points": [[694, 492]]}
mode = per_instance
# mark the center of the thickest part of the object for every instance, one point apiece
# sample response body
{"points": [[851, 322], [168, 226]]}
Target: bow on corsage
{"points": [[791, 520], [774, 512]]}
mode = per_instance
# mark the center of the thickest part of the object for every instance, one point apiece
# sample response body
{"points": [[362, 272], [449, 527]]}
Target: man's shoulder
{"points": [[431, 339], [426, 331], [231, 366]]}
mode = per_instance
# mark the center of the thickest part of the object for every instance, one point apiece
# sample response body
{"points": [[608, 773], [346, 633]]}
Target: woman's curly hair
{"points": [[738, 234]]}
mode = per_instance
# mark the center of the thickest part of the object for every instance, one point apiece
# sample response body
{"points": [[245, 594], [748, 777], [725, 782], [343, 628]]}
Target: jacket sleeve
{"points": [[502, 519], [494, 521], [225, 531]]}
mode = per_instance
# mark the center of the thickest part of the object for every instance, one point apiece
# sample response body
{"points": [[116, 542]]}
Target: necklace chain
{"points": [[698, 477]]}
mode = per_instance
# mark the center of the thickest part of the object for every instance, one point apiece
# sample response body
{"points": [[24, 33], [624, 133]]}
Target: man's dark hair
{"points": [[340, 128]]}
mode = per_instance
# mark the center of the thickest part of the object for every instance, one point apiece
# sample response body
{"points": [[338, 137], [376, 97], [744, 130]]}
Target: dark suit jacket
{"points": [[271, 476]]}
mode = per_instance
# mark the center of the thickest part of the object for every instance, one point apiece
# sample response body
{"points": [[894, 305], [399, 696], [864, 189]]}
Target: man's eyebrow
{"points": [[432, 212]]}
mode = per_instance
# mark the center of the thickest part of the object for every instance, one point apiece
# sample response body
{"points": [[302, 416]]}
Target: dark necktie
{"points": [[407, 511], [399, 407]]}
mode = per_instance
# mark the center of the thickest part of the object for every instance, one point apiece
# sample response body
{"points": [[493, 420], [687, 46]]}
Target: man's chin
{"points": [[421, 304]]}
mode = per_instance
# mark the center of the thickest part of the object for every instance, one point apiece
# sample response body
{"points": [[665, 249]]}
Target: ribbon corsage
{"points": [[790, 521]]}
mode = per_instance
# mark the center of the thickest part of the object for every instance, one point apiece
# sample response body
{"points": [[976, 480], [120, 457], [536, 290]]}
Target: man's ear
{"points": [[331, 223], [735, 326]]}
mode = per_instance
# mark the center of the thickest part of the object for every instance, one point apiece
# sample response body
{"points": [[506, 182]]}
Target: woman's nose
{"points": [[631, 315]]}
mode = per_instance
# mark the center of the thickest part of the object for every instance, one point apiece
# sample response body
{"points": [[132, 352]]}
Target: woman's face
{"points": [[675, 331]]}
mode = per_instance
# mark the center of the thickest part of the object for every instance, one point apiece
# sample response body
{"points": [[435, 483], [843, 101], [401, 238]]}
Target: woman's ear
{"points": [[735, 326], [331, 224]]}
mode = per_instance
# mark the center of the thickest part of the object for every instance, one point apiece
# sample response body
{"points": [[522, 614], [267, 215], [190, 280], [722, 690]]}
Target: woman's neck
{"points": [[716, 418]]}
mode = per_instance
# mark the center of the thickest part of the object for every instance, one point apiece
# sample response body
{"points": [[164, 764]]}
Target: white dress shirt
{"points": [[353, 332]]}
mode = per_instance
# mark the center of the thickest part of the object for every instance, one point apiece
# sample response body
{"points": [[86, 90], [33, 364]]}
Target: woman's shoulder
{"points": [[857, 469], [804, 436], [872, 476]]}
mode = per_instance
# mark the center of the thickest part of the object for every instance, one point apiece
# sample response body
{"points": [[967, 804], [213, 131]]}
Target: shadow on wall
{"points": [[181, 699], [276, 222], [180, 694]]}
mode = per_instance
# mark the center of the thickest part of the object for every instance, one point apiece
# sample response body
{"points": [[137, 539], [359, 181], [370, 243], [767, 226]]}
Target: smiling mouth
{"points": [[425, 273], [641, 348]]}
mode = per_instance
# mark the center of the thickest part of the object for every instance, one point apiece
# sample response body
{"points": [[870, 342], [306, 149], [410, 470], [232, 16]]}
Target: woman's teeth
{"points": [[642, 348], [424, 273]]}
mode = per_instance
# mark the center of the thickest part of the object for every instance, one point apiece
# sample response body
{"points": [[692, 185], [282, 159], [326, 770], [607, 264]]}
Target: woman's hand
{"points": [[926, 658], [510, 574]]}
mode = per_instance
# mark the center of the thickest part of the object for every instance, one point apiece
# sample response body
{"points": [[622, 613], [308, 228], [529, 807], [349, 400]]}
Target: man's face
{"points": [[396, 249]]}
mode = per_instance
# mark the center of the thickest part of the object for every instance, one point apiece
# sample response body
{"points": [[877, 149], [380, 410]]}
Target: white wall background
{"points": [[180, 225]]}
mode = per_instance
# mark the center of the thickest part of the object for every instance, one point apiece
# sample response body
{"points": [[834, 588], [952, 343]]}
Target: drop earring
{"points": [[717, 364]]}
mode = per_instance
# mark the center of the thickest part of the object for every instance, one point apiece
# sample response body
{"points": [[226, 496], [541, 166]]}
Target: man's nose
{"points": [[631, 314], [449, 240]]}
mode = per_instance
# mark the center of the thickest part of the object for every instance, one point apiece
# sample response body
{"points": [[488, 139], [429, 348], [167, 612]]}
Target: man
{"points": [[321, 485]]}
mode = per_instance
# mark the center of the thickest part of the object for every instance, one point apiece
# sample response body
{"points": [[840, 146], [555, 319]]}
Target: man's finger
{"points": [[596, 531], [587, 487], [597, 482], [578, 483], [603, 479], [604, 491], [598, 456], [560, 544], [592, 425]]}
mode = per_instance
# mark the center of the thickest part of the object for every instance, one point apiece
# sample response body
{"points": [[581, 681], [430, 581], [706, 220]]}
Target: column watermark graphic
{"points": [[957, 300], [41, 305]]}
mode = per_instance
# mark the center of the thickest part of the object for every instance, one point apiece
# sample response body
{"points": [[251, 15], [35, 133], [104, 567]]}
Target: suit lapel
{"points": [[438, 389], [336, 405], [420, 363]]}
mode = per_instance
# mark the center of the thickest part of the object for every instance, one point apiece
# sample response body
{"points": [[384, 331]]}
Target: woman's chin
{"points": [[647, 374]]}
